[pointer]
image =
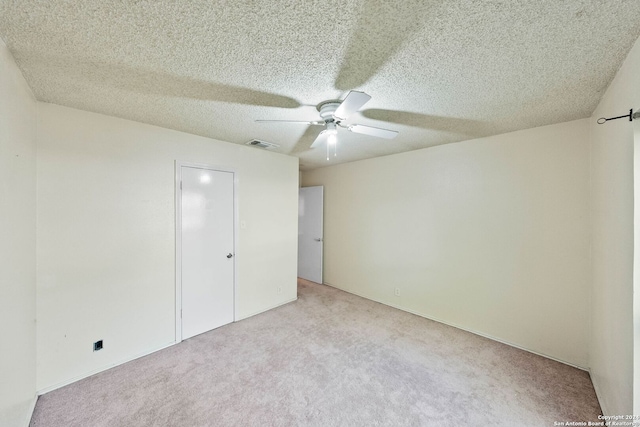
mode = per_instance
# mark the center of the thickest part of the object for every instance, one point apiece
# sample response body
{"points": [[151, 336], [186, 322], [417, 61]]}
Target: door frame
{"points": [[178, 235]]}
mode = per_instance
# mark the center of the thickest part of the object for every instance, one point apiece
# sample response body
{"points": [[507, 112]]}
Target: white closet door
{"points": [[207, 202]]}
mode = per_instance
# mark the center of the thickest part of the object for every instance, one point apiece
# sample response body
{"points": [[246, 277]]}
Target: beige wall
{"points": [[490, 235], [17, 244], [611, 355], [105, 251]]}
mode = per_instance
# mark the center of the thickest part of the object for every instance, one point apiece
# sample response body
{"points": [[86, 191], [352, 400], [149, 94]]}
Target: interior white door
{"points": [[310, 233], [207, 249]]}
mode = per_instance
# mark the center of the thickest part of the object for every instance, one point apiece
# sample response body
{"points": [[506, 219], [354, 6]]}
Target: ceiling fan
{"points": [[333, 113]]}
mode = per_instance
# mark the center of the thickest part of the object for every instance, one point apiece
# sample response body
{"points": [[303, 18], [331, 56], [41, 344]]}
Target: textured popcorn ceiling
{"points": [[438, 71]]}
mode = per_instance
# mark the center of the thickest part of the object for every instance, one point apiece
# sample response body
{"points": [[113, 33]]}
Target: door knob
{"points": [[318, 240], [229, 255]]}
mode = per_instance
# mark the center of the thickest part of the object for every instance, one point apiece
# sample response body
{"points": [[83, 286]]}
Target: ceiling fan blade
{"points": [[371, 131], [304, 142], [292, 121], [352, 103], [319, 140]]}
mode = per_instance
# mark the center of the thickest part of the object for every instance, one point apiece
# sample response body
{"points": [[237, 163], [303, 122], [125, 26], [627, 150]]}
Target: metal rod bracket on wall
{"points": [[631, 116]]}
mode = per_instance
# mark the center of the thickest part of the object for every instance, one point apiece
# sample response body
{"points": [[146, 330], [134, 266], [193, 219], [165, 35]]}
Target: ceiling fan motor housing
{"points": [[327, 109]]}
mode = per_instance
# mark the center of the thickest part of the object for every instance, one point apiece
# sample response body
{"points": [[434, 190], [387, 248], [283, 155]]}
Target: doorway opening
{"points": [[311, 233]]}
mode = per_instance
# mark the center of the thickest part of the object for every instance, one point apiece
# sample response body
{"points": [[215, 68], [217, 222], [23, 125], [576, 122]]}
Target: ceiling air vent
{"points": [[262, 144]]}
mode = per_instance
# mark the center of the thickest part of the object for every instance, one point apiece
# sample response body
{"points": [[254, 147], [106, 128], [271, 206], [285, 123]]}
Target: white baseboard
{"points": [[32, 408], [598, 394], [104, 368], [461, 328], [266, 309]]}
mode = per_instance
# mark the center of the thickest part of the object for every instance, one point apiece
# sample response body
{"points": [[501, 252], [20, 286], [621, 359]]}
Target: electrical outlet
{"points": [[396, 292], [97, 345], [279, 290]]}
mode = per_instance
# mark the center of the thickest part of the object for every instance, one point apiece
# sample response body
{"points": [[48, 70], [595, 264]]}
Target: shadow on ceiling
{"points": [[150, 82], [382, 29], [473, 128]]}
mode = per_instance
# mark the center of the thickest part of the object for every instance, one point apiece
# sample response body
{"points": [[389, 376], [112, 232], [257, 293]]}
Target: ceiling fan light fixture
{"points": [[332, 138], [331, 129]]}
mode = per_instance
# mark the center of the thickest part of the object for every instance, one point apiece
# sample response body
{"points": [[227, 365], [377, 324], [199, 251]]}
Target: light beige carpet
{"points": [[329, 359]]}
